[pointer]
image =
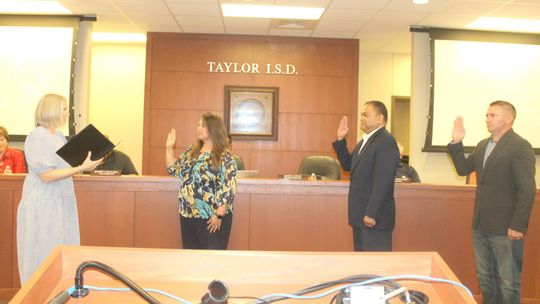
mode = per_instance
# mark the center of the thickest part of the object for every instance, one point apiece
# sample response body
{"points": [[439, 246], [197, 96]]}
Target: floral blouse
{"points": [[202, 188]]}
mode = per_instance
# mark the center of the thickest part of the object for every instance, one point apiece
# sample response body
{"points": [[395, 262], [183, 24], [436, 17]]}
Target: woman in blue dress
{"points": [[207, 174], [47, 214]]}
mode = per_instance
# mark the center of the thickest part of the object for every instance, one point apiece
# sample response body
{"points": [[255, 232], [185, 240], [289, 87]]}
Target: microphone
{"points": [[80, 291], [60, 298], [218, 293]]}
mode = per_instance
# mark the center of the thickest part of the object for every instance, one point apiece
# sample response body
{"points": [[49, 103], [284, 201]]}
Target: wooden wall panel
{"points": [[273, 163], [312, 94], [191, 90], [313, 132], [156, 160], [6, 237], [313, 56], [179, 88], [103, 223], [185, 123]]}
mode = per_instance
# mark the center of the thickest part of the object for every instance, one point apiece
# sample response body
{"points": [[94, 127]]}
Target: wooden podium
{"points": [[187, 273]]}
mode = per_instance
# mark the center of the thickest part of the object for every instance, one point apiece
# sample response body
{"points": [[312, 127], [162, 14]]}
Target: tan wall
{"points": [[117, 95], [179, 88]]}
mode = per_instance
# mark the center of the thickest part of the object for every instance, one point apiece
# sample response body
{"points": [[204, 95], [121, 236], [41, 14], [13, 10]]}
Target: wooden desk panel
{"points": [[272, 215], [106, 217], [157, 224], [6, 237], [299, 222], [248, 273]]}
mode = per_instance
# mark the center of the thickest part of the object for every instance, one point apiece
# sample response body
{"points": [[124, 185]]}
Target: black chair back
{"points": [[325, 166]]}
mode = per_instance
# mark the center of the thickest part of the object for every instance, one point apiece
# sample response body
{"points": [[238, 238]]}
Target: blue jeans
{"points": [[498, 267]]}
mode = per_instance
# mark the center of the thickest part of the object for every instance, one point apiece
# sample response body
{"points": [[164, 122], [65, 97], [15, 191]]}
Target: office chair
{"points": [[325, 166], [239, 162], [471, 179], [25, 164]]}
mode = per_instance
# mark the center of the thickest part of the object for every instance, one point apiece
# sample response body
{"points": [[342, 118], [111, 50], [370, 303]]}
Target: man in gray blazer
{"points": [[505, 193], [373, 164]]}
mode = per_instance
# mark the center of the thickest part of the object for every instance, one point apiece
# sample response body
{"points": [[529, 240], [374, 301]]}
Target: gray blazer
{"points": [[506, 186], [373, 172]]}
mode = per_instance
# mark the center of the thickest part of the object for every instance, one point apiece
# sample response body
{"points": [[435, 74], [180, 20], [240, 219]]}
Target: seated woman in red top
{"points": [[10, 157]]}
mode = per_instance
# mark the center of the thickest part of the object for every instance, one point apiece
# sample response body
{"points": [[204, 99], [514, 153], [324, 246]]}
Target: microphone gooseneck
{"points": [[80, 291]]}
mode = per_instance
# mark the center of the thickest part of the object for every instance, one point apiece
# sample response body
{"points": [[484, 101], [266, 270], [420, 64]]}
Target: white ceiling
{"points": [[381, 25]]}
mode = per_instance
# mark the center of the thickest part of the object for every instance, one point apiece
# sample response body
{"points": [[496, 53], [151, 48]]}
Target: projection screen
{"points": [[470, 69], [36, 57]]}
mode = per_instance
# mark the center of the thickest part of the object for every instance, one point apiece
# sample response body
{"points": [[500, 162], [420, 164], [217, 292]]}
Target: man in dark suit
{"points": [[505, 193], [372, 163]]}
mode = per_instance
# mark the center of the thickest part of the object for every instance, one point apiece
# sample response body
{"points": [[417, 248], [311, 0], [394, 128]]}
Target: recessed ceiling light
{"points": [[420, 1], [39, 7], [506, 24], [118, 37], [271, 11]]}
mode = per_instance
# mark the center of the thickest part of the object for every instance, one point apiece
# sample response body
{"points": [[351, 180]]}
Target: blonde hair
{"points": [[49, 111]]}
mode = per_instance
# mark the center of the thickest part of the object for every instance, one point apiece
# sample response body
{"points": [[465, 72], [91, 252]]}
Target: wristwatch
{"points": [[220, 217]]}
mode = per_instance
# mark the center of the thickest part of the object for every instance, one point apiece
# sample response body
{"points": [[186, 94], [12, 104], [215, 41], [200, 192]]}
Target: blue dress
{"points": [[47, 214]]}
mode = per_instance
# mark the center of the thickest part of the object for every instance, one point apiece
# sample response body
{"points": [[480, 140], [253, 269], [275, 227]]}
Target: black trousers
{"points": [[196, 236], [369, 239]]}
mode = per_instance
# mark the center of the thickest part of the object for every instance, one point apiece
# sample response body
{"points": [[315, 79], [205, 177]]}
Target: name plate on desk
{"points": [[106, 173], [312, 177]]}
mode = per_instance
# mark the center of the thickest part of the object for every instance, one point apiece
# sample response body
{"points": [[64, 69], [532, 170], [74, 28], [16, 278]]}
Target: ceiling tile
{"points": [[328, 34], [131, 8], [447, 20], [189, 1], [409, 6], [253, 2], [465, 7], [307, 3], [110, 18], [250, 23], [348, 14], [340, 26], [526, 11], [525, 1], [204, 30], [194, 9], [116, 28], [153, 19], [360, 4], [380, 24], [90, 7], [199, 21], [393, 20], [160, 28]]}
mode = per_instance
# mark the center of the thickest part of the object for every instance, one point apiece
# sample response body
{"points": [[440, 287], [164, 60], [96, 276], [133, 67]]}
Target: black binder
{"points": [[75, 151]]}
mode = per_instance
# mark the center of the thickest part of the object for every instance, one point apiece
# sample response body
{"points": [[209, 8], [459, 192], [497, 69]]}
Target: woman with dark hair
{"points": [[207, 174], [11, 160]]}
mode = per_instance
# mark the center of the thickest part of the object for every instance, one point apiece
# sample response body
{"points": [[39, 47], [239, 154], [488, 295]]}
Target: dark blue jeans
{"points": [[498, 266]]}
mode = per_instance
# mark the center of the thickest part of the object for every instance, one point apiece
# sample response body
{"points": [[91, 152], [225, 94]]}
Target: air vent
{"points": [[285, 24]]}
